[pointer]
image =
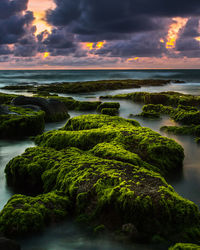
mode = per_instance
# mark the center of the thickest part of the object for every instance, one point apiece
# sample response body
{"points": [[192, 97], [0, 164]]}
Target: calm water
{"points": [[69, 236]]}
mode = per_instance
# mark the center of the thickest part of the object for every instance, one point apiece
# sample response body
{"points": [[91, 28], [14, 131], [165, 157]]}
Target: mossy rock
{"points": [[165, 98], [112, 105], [185, 246], [6, 98], [25, 214], [186, 115], [182, 130], [109, 192], [89, 86], [20, 122], [87, 131], [109, 168], [73, 104], [110, 111]]}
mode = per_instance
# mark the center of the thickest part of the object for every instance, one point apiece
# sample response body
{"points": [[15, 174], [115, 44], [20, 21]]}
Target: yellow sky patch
{"points": [[173, 32], [132, 59], [38, 7], [46, 54]]}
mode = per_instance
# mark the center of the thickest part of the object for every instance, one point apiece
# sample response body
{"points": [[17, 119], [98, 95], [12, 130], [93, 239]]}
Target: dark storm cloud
{"points": [[9, 8], [5, 50], [26, 47], [186, 44], [92, 17], [59, 42], [14, 27], [140, 45]]}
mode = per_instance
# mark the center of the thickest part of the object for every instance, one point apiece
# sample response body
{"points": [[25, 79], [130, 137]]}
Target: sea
{"points": [[68, 235]]}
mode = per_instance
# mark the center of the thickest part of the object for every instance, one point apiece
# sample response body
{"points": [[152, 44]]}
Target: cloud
{"points": [[91, 17], [16, 29], [9, 8], [187, 44]]}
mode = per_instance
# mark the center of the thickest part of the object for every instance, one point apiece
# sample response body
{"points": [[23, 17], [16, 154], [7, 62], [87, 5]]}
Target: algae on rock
{"points": [[110, 171]]}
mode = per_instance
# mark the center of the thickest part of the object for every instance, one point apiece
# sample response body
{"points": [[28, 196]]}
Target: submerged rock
{"points": [[110, 170]]}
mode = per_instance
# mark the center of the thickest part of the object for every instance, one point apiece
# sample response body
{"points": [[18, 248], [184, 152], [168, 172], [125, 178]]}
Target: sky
{"points": [[105, 34]]}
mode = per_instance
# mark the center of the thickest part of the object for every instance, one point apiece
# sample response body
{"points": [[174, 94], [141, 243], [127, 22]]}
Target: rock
{"points": [[18, 122], [130, 229], [110, 170], [112, 105], [7, 244], [110, 111], [3, 110], [53, 108]]}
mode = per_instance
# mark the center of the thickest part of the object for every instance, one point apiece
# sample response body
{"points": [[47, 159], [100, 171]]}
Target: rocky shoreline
{"points": [[104, 171]]}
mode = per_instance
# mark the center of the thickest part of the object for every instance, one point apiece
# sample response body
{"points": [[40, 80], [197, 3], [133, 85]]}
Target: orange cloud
{"points": [[173, 32]]}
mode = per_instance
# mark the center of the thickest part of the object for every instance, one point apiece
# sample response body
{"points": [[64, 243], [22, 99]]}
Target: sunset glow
{"points": [[39, 9], [46, 54], [84, 34], [175, 27], [100, 45], [132, 59]]}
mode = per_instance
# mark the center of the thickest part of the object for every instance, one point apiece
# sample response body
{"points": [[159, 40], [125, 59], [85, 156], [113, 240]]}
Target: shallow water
{"points": [[8, 150], [69, 236]]}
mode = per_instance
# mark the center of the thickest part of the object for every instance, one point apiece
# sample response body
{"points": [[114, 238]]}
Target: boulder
{"points": [[53, 108]]}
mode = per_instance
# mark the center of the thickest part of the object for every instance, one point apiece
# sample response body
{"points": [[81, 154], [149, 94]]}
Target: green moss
{"points": [[186, 115], [165, 98], [6, 98], [21, 122], [109, 191], [109, 111], [112, 105], [109, 168], [90, 130], [24, 214], [182, 130], [184, 246], [90, 86]]}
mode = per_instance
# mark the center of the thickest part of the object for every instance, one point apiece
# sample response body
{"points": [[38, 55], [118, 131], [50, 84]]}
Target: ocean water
{"points": [[13, 77], [69, 236]]}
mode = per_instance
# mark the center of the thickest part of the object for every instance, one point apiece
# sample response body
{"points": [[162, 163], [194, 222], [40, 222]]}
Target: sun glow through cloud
{"points": [[46, 54], [39, 8], [94, 46], [132, 59], [173, 32]]}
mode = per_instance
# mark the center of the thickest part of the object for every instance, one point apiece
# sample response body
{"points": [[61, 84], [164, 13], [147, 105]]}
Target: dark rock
{"points": [[3, 110], [53, 108], [7, 244], [130, 230]]}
